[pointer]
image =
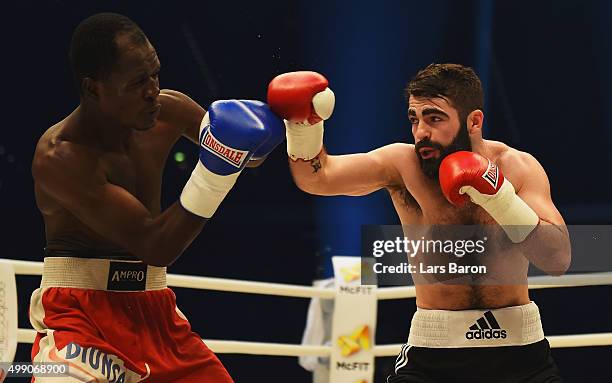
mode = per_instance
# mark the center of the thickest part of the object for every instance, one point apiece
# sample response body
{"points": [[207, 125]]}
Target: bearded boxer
{"points": [[450, 176], [103, 306]]}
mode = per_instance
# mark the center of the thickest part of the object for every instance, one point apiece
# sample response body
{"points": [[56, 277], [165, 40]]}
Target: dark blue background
{"points": [[545, 67]]}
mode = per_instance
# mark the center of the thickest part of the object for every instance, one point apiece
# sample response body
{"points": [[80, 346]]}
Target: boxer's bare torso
{"points": [[133, 162], [419, 201]]}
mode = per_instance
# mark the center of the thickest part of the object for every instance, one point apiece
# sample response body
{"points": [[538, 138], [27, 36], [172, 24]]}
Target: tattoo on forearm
{"points": [[316, 164]]}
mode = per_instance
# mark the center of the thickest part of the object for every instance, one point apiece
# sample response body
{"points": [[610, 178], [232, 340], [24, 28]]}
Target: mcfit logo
{"points": [[486, 327], [351, 273], [358, 340]]}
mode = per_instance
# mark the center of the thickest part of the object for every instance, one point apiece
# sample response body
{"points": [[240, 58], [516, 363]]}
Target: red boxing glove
{"points": [[304, 100], [301, 97], [468, 169], [470, 173]]}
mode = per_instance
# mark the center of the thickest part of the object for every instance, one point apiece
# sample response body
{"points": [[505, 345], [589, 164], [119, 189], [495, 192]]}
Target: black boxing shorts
{"points": [[504, 345]]}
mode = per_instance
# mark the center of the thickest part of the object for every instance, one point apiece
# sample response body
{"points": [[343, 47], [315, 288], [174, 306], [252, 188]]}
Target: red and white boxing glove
{"points": [[470, 173], [304, 100]]}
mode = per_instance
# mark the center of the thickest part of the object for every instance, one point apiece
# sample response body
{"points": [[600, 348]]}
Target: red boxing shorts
{"points": [[116, 322]]}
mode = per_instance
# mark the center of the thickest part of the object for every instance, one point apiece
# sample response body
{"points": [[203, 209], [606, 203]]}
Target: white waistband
{"points": [[102, 274], [508, 326]]}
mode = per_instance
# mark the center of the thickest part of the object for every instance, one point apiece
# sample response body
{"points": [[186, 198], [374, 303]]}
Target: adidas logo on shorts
{"points": [[486, 327]]}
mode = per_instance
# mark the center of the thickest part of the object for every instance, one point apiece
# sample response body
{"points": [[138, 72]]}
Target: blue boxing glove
{"points": [[273, 124], [230, 134]]}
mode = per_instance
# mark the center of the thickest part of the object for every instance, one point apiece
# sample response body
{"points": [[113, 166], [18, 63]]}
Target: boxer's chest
{"points": [[440, 212], [427, 205], [139, 172]]}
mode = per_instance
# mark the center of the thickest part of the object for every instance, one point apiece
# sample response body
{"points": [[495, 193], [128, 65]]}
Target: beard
{"points": [[430, 166]]}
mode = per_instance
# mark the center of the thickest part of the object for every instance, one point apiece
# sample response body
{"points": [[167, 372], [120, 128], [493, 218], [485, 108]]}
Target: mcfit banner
{"points": [[354, 324]]}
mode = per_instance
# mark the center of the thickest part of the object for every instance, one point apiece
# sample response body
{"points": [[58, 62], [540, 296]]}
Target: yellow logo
{"points": [[351, 273], [359, 339]]}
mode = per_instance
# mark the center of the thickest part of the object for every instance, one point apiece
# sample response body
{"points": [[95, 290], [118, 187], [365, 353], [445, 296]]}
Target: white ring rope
{"points": [[279, 349], [266, 288]]}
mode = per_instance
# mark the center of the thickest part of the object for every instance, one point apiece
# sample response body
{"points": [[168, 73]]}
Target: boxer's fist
{"points": [[472, 174], [301, 97], [272, 124], [304, 100], [230, 134], [463, 171]]}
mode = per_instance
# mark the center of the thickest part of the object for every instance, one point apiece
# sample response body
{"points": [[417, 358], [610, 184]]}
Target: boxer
{"points": [[103, 306], [451, 175]]}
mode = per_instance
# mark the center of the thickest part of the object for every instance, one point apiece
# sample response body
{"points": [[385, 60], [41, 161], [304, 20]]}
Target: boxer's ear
{"points": [[474, 122], [89, 88]]}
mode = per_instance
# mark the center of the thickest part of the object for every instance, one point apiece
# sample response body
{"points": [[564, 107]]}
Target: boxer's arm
{"points": [[71, 176], [548, 246], [351, 174]]}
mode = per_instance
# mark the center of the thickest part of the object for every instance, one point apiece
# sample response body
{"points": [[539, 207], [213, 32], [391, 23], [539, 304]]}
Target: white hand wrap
{"points": [[304, 141], [205, 190], [508, 209]]}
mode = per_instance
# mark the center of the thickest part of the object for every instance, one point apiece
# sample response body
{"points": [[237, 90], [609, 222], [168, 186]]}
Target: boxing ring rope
{"points": [[279, 289], [286, 290]]}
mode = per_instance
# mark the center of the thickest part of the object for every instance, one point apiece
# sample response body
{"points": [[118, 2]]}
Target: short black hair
{"points": [[457, 83], [93, 49]]}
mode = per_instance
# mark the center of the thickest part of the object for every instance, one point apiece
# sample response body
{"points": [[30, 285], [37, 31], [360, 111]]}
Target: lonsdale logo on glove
{"points": [[228, 154], [491, 175]]}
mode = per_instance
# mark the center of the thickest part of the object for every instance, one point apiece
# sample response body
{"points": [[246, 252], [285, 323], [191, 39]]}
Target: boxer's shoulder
{"points": [[179, 108], [56, 158], [401, 162], [398, 154], [179, 114], [515, 164], [508, 157], [174, 100]]}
